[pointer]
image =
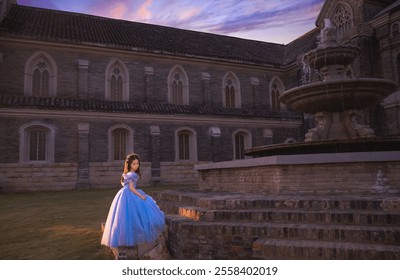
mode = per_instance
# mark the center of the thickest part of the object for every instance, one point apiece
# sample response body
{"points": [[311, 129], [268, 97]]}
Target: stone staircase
{"points": [[212, 225]]}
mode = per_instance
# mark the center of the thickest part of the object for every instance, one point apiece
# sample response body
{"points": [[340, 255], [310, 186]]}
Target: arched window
{"points": [[241, 142], [231, 91], [276, 88], [229, 94], [37, 137], [342, 19], [36, 143], [186, 145], [116, 85], [117, 81], [40, 76], [178, 86], [120, 142]]}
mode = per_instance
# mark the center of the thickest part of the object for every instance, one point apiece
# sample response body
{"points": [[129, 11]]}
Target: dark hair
{"points": [[127, 165]]}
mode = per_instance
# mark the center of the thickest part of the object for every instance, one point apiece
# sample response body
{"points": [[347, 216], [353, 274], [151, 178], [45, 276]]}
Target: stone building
{"points": [[79, 92]]}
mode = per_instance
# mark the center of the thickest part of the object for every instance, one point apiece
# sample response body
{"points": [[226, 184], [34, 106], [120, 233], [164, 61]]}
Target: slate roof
{"points": [[91, 105], [81, 29], [302, 45]]}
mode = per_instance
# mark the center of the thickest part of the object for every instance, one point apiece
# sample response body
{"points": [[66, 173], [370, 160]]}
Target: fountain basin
{"points": [[375, 144], [338, 55], [338, 95]]}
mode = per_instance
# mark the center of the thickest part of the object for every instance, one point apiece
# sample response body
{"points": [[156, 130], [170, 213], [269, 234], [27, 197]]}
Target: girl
{"points": [[134, 217]]}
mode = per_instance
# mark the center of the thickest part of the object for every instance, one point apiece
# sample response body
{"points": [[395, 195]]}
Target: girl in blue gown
{"points": [[134, 217]]}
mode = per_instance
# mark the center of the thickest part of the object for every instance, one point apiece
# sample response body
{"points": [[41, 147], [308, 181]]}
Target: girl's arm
{"points": [[132, 188]]}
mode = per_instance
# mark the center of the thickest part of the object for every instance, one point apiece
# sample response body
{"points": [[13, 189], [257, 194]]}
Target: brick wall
{"points": [[38, 177], [180, 173], [63, 176], [107, 174], [321, 178]]}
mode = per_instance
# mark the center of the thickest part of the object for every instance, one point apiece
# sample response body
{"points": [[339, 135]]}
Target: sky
{"points": [[275, 21]]}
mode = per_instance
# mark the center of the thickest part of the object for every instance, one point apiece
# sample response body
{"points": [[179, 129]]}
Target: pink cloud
{"points": [[190, 13], [143, 12], [117, 11]]}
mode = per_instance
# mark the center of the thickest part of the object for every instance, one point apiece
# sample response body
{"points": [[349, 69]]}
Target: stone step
{"points": [[339, 216], [389, 235], [282, 249], [236, 201]]}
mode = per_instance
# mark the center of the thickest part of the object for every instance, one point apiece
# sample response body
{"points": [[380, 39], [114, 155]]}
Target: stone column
{"points": [[83, 78], [83, 156], [155, 154], [149, 84], [206, 88]]}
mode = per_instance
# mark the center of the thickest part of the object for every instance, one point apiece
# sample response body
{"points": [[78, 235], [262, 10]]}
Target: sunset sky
{"points": [[277, 21]]}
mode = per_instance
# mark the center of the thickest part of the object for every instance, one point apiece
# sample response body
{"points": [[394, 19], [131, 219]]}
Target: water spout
{"points": [[327, 37]]}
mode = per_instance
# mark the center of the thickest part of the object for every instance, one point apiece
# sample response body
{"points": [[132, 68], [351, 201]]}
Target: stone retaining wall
{"points": [[38, 177], [178, 173], [16, 177], [357, 173], [107, 174]]}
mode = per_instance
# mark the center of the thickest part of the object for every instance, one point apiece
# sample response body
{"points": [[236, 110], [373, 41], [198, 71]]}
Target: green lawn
{"points": [[62, 225]]}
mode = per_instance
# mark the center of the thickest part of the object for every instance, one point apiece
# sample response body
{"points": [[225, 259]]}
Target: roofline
{"points": [[100, 47], [151, 24]]}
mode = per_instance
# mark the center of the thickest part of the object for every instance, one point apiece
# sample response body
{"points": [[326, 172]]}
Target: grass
{"points": [[62, 225]]}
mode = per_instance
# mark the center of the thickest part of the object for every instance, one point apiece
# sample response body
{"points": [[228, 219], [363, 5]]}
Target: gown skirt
{"points": [[132, 220]]}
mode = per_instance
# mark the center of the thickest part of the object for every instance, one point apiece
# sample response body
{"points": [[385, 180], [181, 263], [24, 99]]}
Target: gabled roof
{"points": [[80, 29]]}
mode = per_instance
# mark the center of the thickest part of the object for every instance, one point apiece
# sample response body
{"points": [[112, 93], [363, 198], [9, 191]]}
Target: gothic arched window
{"points": [[342, 19], [231, 91], [229, 94], [116, 85], [40, 76], [178, 86], [177, 90], [117, 82]]}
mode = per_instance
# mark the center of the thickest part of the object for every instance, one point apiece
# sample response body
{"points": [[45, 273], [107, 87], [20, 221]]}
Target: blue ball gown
{"points": [[132, 220]]}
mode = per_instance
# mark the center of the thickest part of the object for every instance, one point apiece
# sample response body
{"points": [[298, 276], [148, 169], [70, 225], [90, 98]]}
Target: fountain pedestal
{"points": [[338, 125]]}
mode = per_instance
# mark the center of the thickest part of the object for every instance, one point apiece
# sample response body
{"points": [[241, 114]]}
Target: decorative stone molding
{"points": [[215, 131]]}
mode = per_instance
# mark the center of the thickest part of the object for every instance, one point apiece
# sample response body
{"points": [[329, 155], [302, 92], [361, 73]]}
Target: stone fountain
{"points": [[335, 98], [340, 155], [325, 198]]}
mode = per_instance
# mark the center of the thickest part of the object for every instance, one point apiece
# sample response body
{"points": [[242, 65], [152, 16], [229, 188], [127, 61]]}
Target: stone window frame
{"points": [[192, 144], [24, 145], [124, 74], [247, 143], [230, 80], [129, 141], [275, 92], [348, 23], [178, 74], [32, 64]]}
